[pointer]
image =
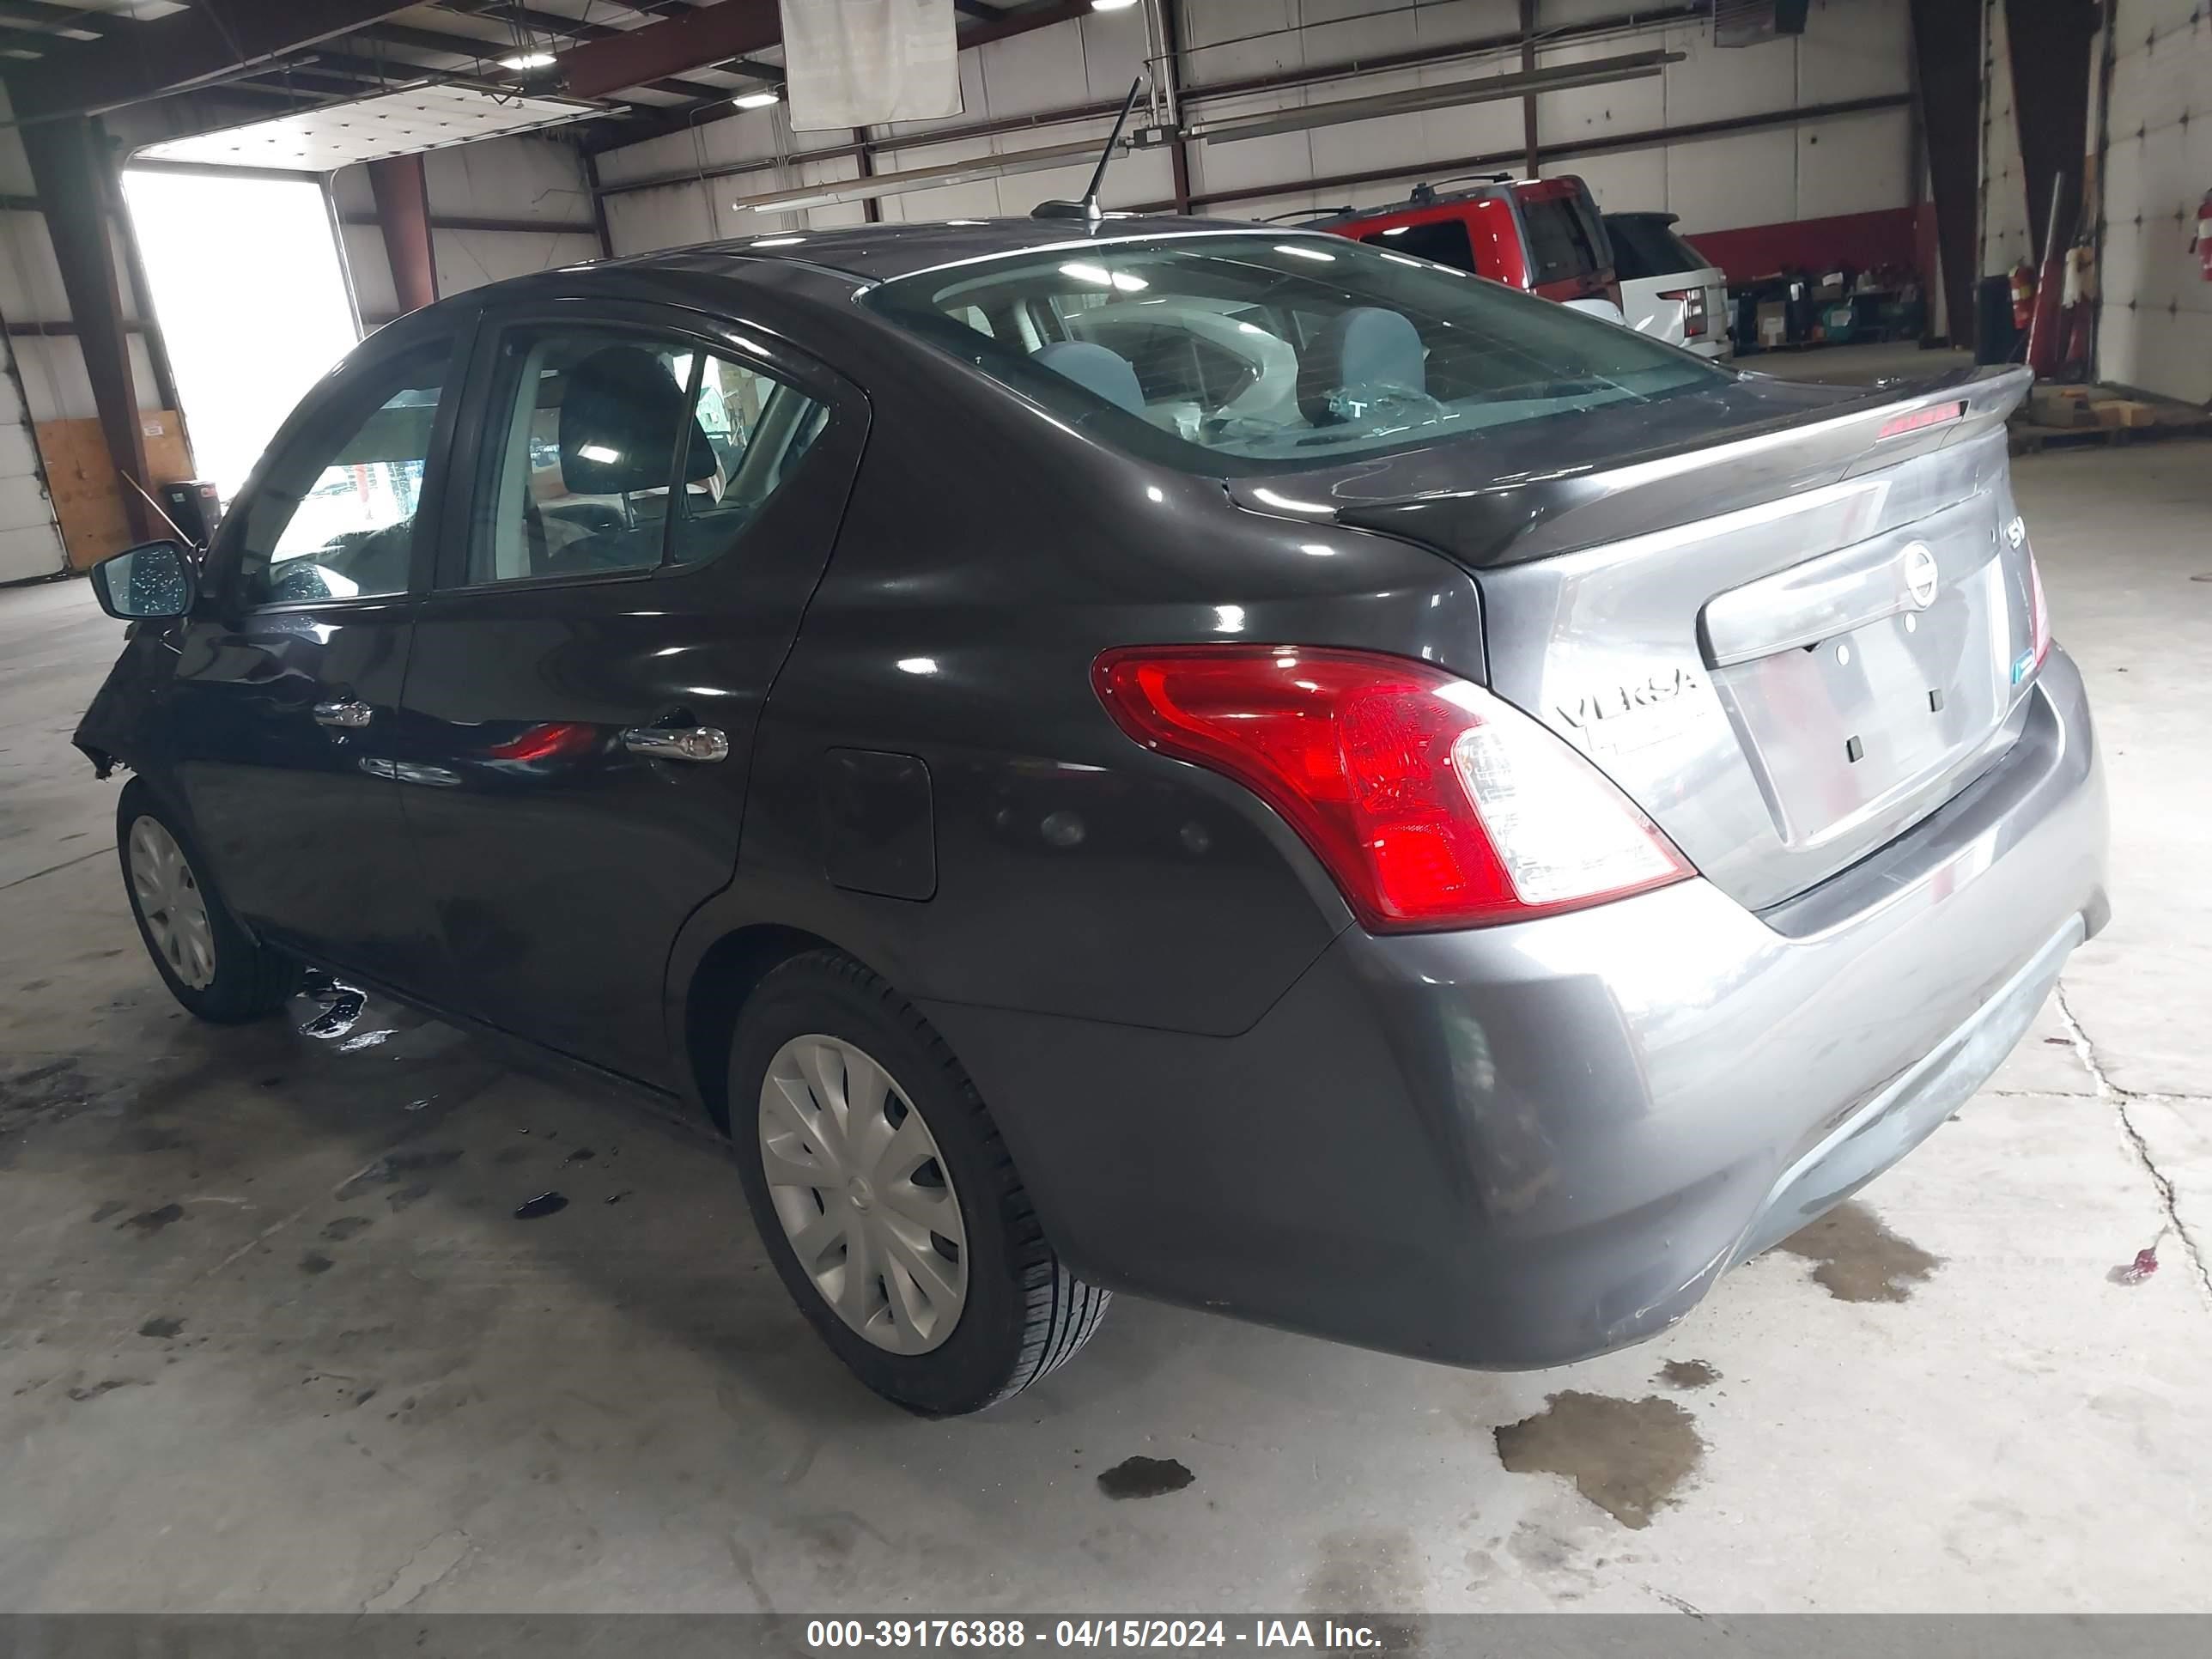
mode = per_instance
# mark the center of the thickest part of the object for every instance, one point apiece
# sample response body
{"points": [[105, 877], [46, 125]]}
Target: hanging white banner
{"points": [[859, 63]]}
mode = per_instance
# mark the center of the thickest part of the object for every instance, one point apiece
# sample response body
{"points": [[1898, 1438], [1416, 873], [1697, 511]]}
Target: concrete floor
{"points": [[269, 1337]]}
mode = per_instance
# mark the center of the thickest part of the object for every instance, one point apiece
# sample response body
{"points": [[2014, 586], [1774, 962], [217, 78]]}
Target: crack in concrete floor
{"points": [[2085, 1049]]}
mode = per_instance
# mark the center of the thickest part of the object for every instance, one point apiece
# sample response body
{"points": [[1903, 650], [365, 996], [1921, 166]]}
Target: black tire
{"points": [[1024, 1312], [250, 979]]}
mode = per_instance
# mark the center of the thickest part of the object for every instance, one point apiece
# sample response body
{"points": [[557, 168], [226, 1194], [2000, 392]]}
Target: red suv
{"points": [[1541, 235]]}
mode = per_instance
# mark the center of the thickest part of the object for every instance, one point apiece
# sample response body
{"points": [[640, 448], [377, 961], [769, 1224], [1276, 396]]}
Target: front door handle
{"points": [[348, 714], [693, 742]]}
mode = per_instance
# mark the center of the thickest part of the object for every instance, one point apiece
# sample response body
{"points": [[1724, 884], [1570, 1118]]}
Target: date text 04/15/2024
{"points": [[825, 1635]]}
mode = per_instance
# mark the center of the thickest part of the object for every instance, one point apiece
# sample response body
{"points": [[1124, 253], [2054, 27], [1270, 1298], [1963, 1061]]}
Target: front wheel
{"points": [[211, 965], [887, 1200]]}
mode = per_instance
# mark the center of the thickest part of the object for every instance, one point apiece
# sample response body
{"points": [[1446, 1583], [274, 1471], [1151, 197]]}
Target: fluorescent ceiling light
{"points": [[761, 100], [527, 60], [1111, 5], [1099, 275]]}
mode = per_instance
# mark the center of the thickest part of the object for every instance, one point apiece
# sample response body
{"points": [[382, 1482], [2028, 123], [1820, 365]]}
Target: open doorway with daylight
{"points": [[252, 300]]}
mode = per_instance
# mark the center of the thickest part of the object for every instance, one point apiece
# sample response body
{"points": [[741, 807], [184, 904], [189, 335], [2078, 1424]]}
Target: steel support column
{"points": [[403, 213], [1528, 104], [69, 165], [1947, 45], [2050, 47]]}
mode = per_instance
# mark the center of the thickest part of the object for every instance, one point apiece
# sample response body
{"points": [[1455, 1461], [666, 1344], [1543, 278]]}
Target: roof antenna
{"points": [[1088, 210]]}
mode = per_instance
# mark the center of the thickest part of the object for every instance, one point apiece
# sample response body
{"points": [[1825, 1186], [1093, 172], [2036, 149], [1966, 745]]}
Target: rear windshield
{"points": [[1565, 239], [1648, 246], [1262, 353]]}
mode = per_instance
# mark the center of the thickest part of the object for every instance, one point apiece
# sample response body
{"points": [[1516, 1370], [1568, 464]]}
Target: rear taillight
{"points": [[2038, 613], [1693, 310], [1430, 803]]}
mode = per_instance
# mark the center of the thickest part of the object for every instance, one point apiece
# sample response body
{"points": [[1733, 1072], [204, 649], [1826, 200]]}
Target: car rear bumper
{"points": [[1521, 1145]]}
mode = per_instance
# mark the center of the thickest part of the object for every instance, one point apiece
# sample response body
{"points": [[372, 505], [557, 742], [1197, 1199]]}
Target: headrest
{"points": [[620, 411], [1365, 356], [1097, 369]]}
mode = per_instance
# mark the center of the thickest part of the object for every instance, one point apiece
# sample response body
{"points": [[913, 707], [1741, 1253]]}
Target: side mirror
{"points": [[148, 583]]}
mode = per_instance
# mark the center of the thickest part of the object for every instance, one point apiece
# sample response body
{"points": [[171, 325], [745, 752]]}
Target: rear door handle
{"points": [[694, 743], [348, 714]]}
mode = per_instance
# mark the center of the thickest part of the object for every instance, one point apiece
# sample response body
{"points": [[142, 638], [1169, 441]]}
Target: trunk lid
{"points": [[1788, 621]]}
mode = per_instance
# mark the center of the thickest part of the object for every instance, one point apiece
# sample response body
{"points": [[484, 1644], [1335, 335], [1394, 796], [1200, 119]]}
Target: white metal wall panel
{"points": [[30, 540], [369, 268], [1861, 49], [1852, 49], [2155, 316], [1742, 179], [670, 216], [470, 258], [509, 179], [1853, 163], [2002, 234]]}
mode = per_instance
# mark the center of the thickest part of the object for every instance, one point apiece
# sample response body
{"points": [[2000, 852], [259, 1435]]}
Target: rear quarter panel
{"points": [[989, 554]]}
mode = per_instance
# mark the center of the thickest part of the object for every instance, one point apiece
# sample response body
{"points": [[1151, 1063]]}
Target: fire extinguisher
{"points": [[2023, 296], [2080, 300], [2204, 237]]}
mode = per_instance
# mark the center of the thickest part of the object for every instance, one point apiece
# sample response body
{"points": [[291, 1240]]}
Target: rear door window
{"points": [[1444, 240]]}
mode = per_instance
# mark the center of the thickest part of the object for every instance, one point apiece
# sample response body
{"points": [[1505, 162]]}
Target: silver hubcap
{"points": [[168, 896], [863, 1194]]}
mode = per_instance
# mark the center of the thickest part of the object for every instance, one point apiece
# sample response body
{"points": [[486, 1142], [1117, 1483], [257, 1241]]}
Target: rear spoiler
{"points": [[1424, 496]]}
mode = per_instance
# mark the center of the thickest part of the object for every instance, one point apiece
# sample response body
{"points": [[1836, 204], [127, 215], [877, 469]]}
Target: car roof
{"points": [[1663, 217], [876, 253]]}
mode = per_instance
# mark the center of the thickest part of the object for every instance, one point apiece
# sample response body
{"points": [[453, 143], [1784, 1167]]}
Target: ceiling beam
{"points": [[487, 53], [185, 49], [1019, 20], [691, 40]]}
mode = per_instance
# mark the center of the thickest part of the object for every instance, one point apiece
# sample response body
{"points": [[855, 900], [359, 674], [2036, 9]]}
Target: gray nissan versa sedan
{"points": [[1219, 761]]}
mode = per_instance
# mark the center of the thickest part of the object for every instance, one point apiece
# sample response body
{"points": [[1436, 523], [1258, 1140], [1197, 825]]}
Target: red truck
{"points": [[1541, 235]]}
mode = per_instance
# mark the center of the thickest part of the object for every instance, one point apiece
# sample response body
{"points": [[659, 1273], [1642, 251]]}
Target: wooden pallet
{"points": [[2028, 438]]}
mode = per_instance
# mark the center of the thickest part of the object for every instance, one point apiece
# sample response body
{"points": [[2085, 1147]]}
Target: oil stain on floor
{"points": [[1630, 1457], [1860, 1260], [1145, 1477], [1688, 1374]]}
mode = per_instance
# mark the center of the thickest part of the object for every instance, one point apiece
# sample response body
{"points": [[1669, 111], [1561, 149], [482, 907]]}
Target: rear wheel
{"points": [[886, 1199], [211, 964]]}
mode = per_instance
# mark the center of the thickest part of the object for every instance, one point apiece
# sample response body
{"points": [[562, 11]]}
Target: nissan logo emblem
{"points": [[1920, 576]]}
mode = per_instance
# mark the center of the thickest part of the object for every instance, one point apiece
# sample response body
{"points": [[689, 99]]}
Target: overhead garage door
{"points": [[2154, 320], [30, 541]]}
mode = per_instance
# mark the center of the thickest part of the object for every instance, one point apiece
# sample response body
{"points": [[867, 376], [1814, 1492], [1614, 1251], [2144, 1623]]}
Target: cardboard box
{"points": [[2124, 412], [2061, 405], [1773, 323]]}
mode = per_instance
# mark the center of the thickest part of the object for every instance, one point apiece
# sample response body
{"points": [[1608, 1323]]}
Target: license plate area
{"points": [[1872, 725]]}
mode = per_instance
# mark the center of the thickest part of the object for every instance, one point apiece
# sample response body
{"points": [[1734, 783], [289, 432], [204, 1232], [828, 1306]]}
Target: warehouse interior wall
{"points": [[2154, 313], [46, 396], [1647, 144], [500, 208]]}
